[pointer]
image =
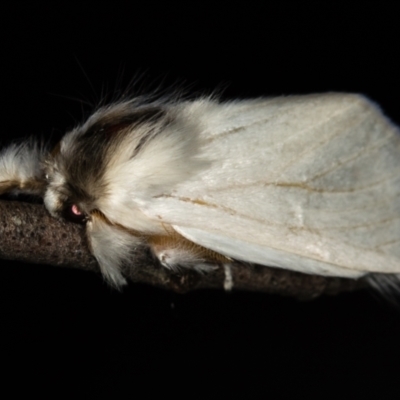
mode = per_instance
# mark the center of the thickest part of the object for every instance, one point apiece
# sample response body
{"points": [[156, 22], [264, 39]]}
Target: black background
{"points": [[65, 330]]}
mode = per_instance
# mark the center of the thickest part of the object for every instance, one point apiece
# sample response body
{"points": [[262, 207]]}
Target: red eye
{"points": [[75, 210], [74, 214]]}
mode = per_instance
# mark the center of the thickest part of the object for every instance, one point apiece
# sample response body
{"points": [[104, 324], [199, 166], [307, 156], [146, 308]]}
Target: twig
{"points": [[28, 233]]}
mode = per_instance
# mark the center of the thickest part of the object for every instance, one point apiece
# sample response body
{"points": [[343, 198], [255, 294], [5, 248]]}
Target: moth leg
{"points": [[20, 169], [228, 278], [112, 246], [175, 252]]}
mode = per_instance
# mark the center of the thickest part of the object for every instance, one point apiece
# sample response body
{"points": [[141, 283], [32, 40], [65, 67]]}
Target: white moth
{"points": [[306, 183]]}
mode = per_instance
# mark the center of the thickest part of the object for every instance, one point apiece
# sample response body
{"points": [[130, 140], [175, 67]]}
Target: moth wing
{"points": [[308, 183]]}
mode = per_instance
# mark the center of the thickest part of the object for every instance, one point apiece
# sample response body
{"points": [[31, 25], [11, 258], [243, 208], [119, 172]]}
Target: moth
{"points": [[307, 183]]}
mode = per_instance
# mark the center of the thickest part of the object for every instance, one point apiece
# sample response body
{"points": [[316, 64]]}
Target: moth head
{"points": [[62, 199], [70, 176], [78, 168]]}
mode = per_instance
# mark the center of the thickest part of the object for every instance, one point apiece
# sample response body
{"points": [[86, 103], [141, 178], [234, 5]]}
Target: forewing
{"points": [[309, 183]]}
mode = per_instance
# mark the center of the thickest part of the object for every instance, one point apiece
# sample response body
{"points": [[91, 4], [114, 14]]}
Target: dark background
{"points": [[65, 330]]}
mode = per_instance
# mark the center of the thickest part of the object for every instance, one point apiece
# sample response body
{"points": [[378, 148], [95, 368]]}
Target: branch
{"points": [[28, 233]]}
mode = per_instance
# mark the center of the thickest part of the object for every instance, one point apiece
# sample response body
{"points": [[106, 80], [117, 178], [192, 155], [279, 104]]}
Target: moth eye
{"points": [[74, 214]]}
